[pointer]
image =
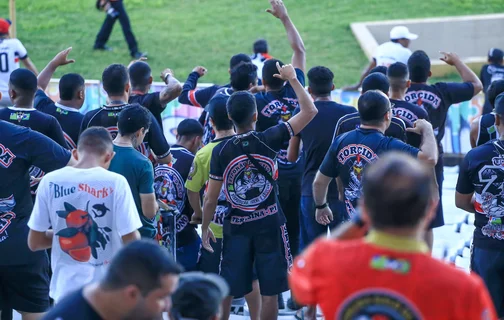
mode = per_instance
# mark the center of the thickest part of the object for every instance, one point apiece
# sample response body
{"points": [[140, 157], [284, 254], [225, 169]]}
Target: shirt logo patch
{"points": [[6, 156], [19, 116], [246, 187], [423, 98], [6, 215], [169, 186], [382, 262], [405, 114]]}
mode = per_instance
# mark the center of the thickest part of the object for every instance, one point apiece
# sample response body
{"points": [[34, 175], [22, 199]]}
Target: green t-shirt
{"points": [[138, 171], [198, 177]]}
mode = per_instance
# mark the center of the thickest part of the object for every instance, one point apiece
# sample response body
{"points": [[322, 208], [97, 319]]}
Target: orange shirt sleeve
{"points": [[303, 273], [482, 305]]}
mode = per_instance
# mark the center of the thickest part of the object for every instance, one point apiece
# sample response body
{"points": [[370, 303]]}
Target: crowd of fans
{"points": [[265, 171]]}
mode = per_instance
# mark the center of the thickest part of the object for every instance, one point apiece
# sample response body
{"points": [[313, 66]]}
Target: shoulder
{"points": [[451, 278], [488, 119]]}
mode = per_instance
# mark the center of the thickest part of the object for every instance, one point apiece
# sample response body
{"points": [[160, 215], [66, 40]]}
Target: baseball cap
{"points": [[499, 104], [402, 32], [198, 296], [376, 81], [495, 54], [4, 26]]}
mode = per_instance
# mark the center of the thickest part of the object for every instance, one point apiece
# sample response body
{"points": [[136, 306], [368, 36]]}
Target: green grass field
{"points": [[183, 33]]}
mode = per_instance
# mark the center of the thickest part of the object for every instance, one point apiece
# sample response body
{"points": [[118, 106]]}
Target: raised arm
{"points": [[464, 71], [473, 136], [279, 10], [173, 87], [307, 108], [60, 59]]}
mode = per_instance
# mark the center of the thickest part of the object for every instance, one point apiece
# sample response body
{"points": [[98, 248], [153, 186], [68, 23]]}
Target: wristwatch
{"points": [[322, 206]]}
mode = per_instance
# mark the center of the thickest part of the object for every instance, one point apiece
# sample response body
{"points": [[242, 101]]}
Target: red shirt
{"points": [[383, 277]]}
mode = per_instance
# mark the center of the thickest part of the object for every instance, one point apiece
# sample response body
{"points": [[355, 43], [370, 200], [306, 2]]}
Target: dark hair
{"points": [[69, 85], [140, 73], [395, 40], [24, 82], [398, 75], [243, 75], [237, 59], [141, 263], [260, 46], [189, 128], [379, 69], [133, 118], [419, 66], [115, 78], [396, 191], [376, 81], [372, 107], [217, 111], [495, 56], [96, 140], [241, 107], [320, 81], [495, 88], [270, 69]]}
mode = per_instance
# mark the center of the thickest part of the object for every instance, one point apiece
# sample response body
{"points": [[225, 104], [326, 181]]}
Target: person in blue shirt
{"points": [[436, 99], [141, 80], [24, 274], [277, 105], [351, 152], [169, 184], [316, 143], [72, 92], [254, 228], [491, 72], [483, 128], [349, 122], [479, 191], [133, 123], [398, 76]]}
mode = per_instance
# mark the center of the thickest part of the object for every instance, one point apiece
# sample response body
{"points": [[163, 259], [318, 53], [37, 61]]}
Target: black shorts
{"points": [[25, 288], [271, 253], [209, 262], [438, 220]]}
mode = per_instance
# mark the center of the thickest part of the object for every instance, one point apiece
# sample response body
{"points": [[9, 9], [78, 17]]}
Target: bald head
{"points": [[397, 191]]}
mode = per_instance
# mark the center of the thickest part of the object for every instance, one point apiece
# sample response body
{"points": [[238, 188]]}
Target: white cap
{"points": [[401, 32]]}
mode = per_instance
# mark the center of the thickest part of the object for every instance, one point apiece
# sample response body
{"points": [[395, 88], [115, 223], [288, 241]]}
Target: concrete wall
{"points": [[469, 36]]}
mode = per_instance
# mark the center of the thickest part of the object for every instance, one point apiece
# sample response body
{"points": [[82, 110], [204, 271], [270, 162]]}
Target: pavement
{"points": [[450, 241]]}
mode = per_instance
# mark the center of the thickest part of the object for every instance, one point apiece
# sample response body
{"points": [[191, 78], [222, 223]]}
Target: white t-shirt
{"points": [[11, 51], [391, 52], [89, 211]]}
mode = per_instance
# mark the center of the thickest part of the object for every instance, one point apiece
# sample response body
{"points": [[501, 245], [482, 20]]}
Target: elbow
{"points": [[300, 48], [33, 245], [165, 160], [291, 157], [478, 87], [177, 90]]}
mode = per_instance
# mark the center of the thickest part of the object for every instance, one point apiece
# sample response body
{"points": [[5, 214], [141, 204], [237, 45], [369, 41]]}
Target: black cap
{"points": [[237, 59], [198, 296], [376, 81], [499, 104], [495, 55]]}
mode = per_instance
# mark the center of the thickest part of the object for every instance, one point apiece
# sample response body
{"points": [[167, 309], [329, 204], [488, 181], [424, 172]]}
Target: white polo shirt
{"points": [[11, 51], [391, 52]]}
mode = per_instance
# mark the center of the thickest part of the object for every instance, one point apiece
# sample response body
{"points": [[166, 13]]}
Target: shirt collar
{"points": [[397, 243], [59, 105], [14, 108]]}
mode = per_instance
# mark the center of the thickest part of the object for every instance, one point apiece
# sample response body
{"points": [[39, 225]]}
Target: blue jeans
{"points": [[310, 228], [489, 265], [187, 256]]}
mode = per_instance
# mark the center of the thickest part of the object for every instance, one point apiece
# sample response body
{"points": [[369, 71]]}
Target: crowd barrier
{"points": [[456, 138]]}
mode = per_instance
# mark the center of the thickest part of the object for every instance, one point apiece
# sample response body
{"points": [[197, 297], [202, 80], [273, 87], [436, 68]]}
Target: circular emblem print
{"points": [[169, 186], [377, 305], [246, 186]]}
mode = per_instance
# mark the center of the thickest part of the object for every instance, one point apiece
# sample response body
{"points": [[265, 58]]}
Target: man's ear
{"points": [[364, 215], [254, 117], [75, 154], [150, 80], [332, 87], [0, 95], [127, 87], [408, 83], [310, 91], [430, 74], [498, 120]]}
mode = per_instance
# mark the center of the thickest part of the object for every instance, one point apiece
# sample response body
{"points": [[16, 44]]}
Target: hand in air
{"points": [[200, 70], [61, 58], [278, 9], [285, 72]]}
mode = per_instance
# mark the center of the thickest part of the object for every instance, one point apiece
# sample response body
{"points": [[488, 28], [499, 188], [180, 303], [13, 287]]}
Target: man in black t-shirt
{"points": [[115, 81], [479, 191], [24, 274], [436, 99], [483, 128], [398, 76], [491, 72], [317, 138], [254, 229], [141, 80], [138, 285], [349, 122], [72, 92], [351, 152]]}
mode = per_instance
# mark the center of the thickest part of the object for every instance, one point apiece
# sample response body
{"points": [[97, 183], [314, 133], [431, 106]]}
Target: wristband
{"points": [[166, 77], [322, 206]]}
